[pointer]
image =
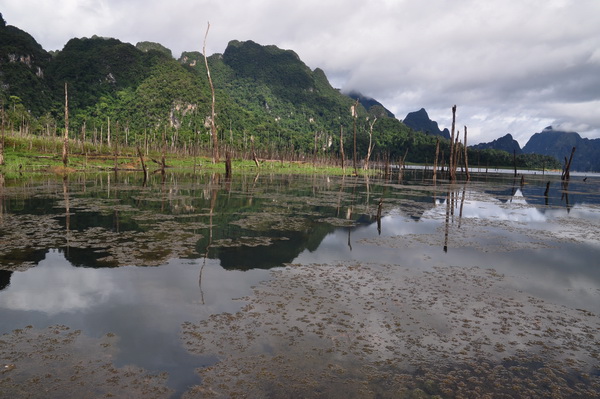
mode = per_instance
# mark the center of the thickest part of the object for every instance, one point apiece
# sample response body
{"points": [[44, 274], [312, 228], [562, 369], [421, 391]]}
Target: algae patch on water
{"points": [[373, 330], [58, 362]]}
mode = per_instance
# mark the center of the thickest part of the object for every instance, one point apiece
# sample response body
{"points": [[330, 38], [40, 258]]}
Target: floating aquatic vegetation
{"points": [[58, 362], [369, 330]]}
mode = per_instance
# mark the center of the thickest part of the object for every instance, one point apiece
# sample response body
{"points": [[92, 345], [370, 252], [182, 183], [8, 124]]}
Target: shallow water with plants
{"points": [[271, 285]]}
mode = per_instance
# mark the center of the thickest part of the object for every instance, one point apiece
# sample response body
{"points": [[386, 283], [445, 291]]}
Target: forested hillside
{"points": [[142, 94]]}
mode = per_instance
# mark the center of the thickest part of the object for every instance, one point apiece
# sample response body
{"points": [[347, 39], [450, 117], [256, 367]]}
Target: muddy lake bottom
{"points": [[280, 286]]}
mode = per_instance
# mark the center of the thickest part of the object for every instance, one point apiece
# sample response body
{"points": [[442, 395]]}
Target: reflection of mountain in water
{"points": [[5, 278], [560, 194]]}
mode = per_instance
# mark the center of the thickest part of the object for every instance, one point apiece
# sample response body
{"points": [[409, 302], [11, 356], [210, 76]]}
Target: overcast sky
{"points": [[510, 66]]}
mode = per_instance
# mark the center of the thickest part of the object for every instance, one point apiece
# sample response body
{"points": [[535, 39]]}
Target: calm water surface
{"points": [[105, 254]]}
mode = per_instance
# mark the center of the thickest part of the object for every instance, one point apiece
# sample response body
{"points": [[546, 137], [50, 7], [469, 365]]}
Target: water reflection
{"points": [[81, 252]]}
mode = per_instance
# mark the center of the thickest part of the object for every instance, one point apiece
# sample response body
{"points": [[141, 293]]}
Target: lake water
{"points": [[314, 286]]}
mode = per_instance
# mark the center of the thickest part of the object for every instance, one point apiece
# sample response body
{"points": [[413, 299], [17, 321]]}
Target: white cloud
{"points": [[511, 66]]}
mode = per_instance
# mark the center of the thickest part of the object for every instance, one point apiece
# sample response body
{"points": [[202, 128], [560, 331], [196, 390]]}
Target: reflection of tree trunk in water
{"points": [[67, 210], [462, 203], [339, 203], [379, 206], [546, 192], [447, 226], [1, 197], [565, 195], [349, 238], [213, 201]]}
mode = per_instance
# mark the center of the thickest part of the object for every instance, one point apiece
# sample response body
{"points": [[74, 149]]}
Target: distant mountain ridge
{"points": [[419, 121], [369, 103], [505, 143], [559, 144]]}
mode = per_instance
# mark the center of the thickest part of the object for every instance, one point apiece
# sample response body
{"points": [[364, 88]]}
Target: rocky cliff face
{"points": [[559, 145], [505, 143], [420, 122]]}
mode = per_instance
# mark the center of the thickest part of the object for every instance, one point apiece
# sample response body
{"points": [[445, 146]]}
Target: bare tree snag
{"points": [[143, 165], [452, 166], [213, 127], [435, 160], [254, 152], [227, 165], [354, 111], [566, 173], [467, 157], [515, 161], [371, 145], [65, 157], [2, 138], [341, 146]]}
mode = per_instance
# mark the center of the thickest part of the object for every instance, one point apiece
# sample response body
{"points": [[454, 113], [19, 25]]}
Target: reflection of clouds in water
{"points": [[55, 286]]}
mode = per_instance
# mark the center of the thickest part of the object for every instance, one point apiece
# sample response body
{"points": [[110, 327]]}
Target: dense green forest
{"points": [[140, 95]]}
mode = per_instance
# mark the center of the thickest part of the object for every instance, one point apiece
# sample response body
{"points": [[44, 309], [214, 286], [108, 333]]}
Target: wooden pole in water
{"points": [[452, 168], [435, 160], [466, 157]]}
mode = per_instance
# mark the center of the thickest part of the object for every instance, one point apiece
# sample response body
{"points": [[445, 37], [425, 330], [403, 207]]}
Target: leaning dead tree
{"points": [[566, 173], [65, 157], [213, 127]]}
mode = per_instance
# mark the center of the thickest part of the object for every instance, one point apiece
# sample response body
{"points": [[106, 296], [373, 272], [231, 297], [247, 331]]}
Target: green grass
{"points": [[44, 155]]}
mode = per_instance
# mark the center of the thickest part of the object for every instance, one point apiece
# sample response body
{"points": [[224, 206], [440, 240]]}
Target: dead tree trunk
{"points": [[227, 165], [515, 161], [2, 138], [143, 165], [370, 149], [342, 146], [466, 157], [254, 152], [452, 166], [213, 127], [354, 110], [435, 160], [65, 157], [566, 173]]}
